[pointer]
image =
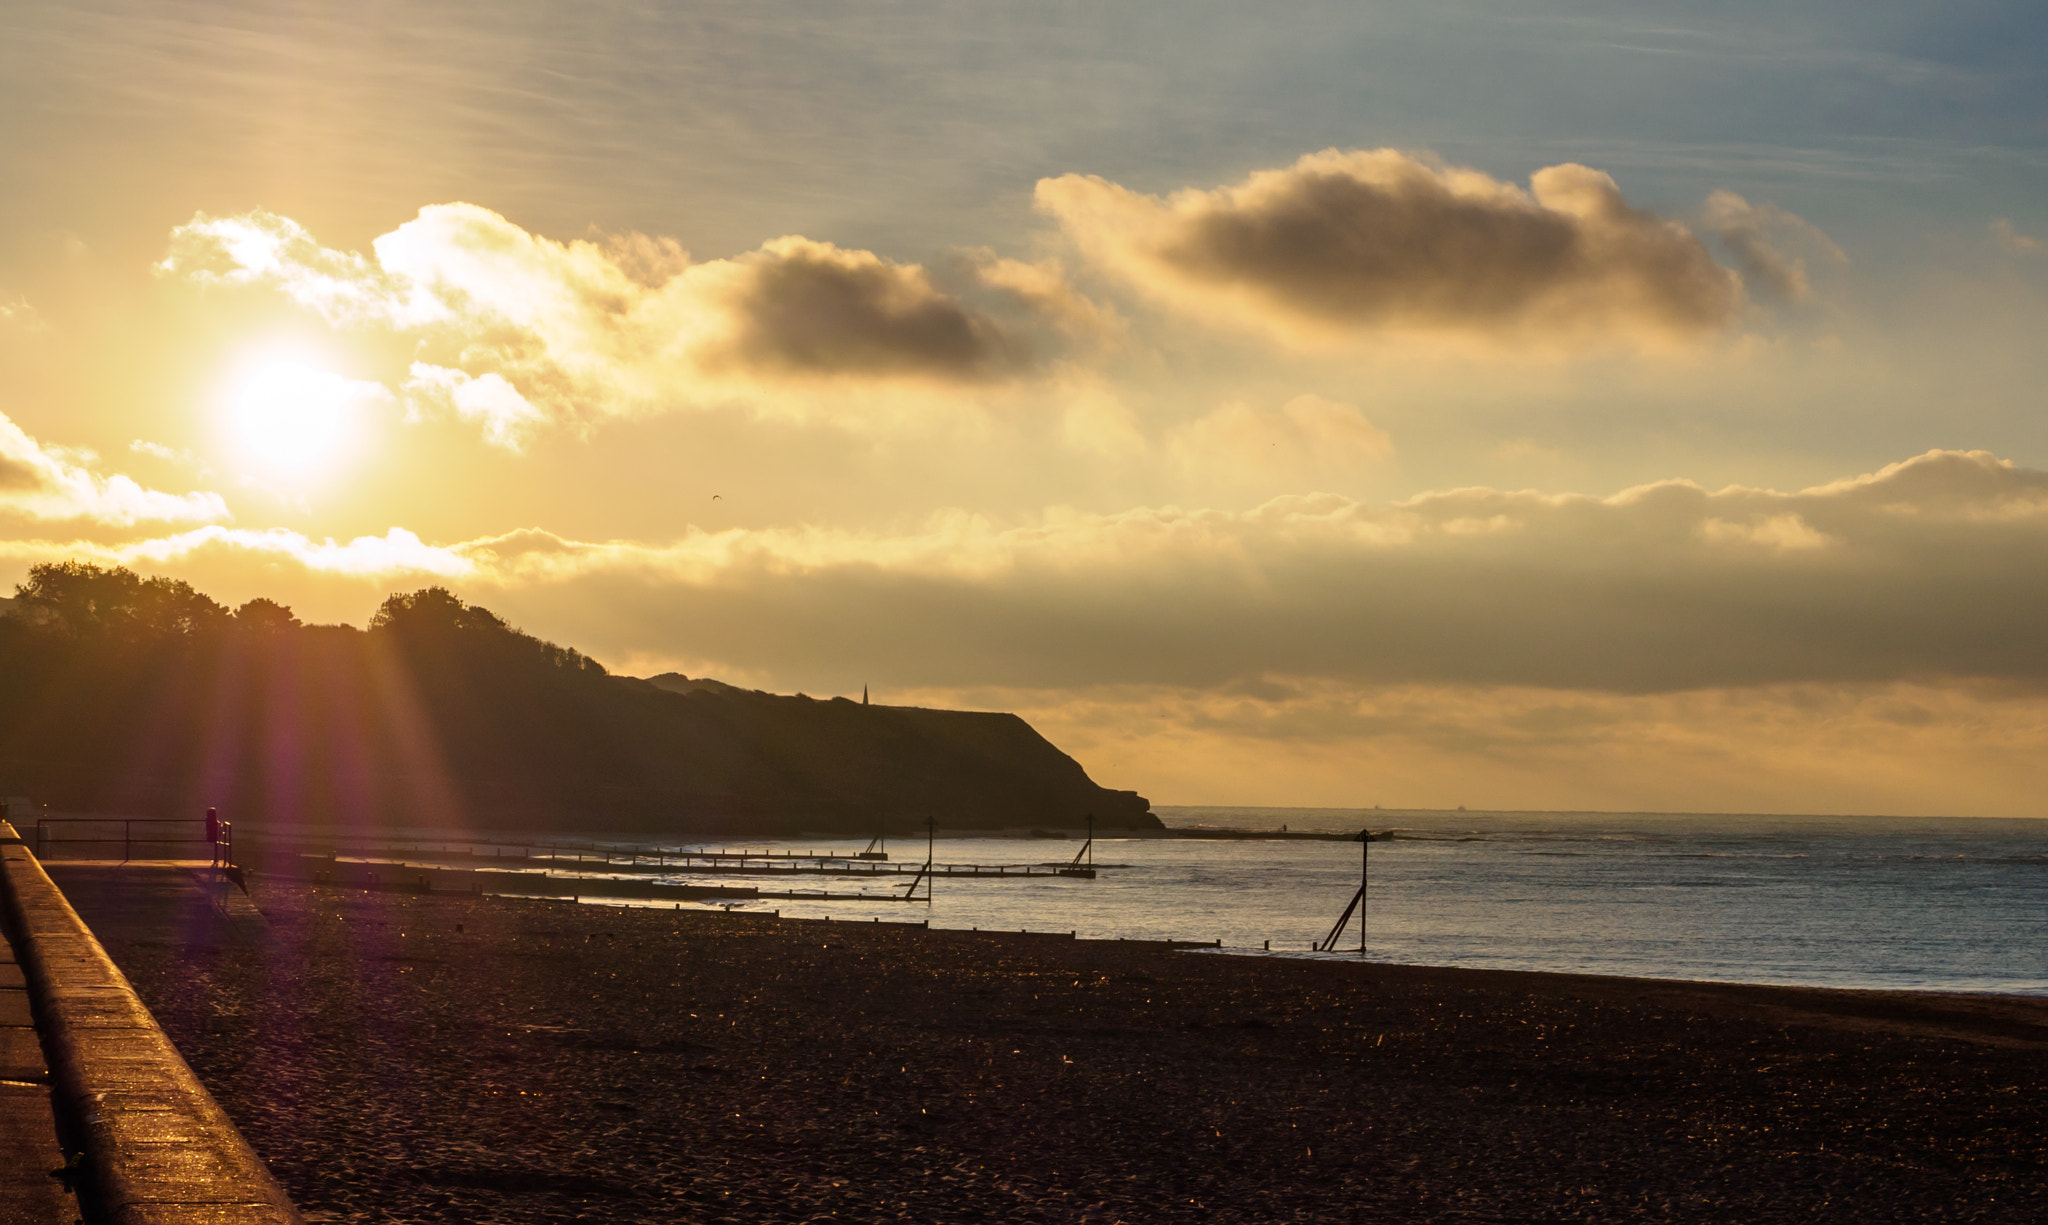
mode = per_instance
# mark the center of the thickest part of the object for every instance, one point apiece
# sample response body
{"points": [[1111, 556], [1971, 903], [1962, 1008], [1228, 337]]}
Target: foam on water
{"points": [[1953, 904]]}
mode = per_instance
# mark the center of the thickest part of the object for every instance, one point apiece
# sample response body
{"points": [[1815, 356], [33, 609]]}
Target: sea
{"points": [[1920, 904]]}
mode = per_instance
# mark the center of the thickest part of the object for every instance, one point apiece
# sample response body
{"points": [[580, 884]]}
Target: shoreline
{"points": [[2029, 1011], [623, 887], [408, 1057], [1307, 955], [1215, 948]]}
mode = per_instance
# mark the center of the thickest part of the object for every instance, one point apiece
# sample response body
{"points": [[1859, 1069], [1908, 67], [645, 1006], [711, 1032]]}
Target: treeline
{"points": [[120, 693], [67, 610]]}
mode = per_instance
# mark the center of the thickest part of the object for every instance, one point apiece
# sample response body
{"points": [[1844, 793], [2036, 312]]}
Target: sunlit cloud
{"points": [[1770, 531], [45, 482], [1933, 567], [515, 330], [1926, 568], [507, 418], [1927, 747], [1342, 245], [260, 248], [157, 450], [19, 313], [396, 555], [2012, 242], [1308, 435], [1096, 421], [1527, 451], [1760, 235], [1045, 286]]}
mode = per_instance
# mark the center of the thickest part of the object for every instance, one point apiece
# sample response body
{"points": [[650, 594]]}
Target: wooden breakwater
{"points": [[411, 876], [491, 858], [432, 878]]}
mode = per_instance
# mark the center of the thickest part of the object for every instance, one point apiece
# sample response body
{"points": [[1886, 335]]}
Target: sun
{"points": [[297, 421]]}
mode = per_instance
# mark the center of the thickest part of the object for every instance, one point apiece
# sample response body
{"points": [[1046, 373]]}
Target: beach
{"points": [[403, 1057]]}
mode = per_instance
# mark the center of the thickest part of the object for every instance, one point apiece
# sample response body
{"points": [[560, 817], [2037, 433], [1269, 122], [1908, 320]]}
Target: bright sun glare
{"points": [[295, 419]]}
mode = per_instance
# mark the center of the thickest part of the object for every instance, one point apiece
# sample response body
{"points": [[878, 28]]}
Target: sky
{"points": [[1536, 406]]}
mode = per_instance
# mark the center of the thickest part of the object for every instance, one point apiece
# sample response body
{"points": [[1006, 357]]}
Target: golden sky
{"points": [[1556, 405]]}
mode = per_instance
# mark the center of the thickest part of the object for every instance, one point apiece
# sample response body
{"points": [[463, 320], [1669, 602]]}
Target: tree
{"points": [[265, 617], [85, 601], [436, 615], [77, 596], [432, 610], [169, 607]]}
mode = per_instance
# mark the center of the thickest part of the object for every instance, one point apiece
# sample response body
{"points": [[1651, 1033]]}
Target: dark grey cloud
{"points": [[1349, 242], [812, 308]]}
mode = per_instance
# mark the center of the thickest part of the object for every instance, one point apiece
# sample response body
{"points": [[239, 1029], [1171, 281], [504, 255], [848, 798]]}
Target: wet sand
{"points": [[447, 1058]]}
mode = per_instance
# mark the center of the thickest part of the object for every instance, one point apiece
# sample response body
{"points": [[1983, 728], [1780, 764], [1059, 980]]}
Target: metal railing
{"points": [[48, 828]]}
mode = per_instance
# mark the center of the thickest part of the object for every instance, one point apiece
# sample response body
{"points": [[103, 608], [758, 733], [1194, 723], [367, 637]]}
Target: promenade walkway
{"points": [[157, 1149], [28, 1124], [158, 899]]}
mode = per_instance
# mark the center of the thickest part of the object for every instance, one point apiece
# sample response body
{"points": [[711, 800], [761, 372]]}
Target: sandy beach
{"points": [[451, 1058]]}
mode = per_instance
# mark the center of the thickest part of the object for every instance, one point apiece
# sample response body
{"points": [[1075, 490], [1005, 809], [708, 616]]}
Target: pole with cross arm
{"points": [[1365, 838]]}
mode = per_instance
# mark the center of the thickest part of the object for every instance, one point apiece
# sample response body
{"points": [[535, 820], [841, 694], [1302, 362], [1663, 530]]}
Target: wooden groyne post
{"points": [[927, 873], [1365, 839], [1084, 859]]}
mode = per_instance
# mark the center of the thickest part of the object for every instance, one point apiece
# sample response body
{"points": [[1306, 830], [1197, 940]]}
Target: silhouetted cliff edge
{"points": [[122, 694]]}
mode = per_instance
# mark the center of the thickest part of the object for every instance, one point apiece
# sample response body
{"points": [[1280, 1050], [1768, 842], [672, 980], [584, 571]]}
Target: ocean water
{"points": [[1915, 904]]}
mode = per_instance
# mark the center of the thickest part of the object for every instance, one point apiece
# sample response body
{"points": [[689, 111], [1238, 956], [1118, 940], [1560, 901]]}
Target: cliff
{"points": [[441, 715]]}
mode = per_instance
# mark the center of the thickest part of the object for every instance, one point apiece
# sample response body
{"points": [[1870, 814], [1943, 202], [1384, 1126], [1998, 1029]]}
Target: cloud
{"points": [[2012, 242], [1094, 420], [44, 482], [507, 418], [1528, 450], [1898, 747], [20, 313], [159, 451], [516, 330], [1045, 287], [1769, 531], [1756, 235], [262, 248], [397, 555], [1933, 568], [1306, 435], [809, 307], [1345, 244]]}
